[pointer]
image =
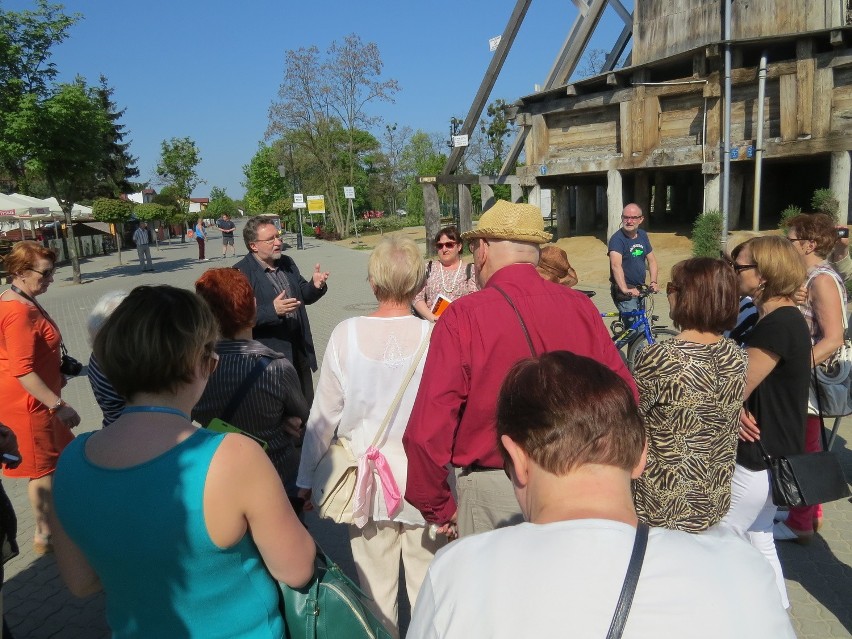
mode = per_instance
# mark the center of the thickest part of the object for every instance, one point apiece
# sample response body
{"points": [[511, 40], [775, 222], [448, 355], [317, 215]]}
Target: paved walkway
{"points": [[37, 604]]}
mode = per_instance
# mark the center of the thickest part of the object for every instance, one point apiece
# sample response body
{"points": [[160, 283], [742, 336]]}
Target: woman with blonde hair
{"points": [[776, 393], [365, 364], [31, 380]]}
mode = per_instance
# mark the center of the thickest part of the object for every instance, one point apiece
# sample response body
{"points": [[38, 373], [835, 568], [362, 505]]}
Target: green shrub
{"points": [[707, 234], [786, 214], [824, 201]]}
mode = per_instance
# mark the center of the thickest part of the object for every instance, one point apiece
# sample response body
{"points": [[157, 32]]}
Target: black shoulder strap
{"points": [[428, 272], [625, 599], [520, 319], [242, 391], [469, 270]]}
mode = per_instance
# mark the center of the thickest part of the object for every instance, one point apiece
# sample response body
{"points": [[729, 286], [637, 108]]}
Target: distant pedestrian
{"points": [[142, 239], [200, 237], [629, 248], [227, 227]]}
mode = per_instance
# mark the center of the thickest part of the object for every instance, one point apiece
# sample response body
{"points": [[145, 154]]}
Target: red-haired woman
{"points": [[690, 395], [31, 381], [273, 408]]}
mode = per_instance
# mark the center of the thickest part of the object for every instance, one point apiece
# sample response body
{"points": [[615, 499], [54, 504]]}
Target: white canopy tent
{"points": [[17, 208]]}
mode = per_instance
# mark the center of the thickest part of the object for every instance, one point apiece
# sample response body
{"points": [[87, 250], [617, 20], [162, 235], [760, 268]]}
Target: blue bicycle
{"points": [[636, 329]]}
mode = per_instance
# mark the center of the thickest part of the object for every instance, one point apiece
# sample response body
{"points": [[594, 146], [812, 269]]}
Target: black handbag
{"points": [[330, 606], [806, 479]]}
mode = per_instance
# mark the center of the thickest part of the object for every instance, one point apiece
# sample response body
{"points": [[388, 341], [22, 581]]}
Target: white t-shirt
{"points": [[365, 362], [563, 580]]}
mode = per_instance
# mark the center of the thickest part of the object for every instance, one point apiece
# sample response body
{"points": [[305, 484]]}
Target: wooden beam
{"points": [[487, 84], [836, 38], [626, 126], [788, 106], [805, 67], [651, 122], [578, 103], [822, 94]]}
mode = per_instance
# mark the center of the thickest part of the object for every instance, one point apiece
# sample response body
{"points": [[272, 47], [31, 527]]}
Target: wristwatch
{"points": [[53, 409]]}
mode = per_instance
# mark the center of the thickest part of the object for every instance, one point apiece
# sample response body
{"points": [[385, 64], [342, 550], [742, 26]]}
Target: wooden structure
{"points": [[652, 132]]}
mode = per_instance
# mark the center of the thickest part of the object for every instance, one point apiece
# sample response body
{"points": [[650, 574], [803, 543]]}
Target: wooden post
{"points": [[585, 208], [736, 195], [712, 192], [642, 191], [660, 199], [839, 183], [431, 215], [517, 193], [614, 201], [563, 212], [487, 194], [465, 208]]}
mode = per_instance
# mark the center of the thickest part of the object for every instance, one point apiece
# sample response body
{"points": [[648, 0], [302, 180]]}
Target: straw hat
{"points": [[507, 221]]}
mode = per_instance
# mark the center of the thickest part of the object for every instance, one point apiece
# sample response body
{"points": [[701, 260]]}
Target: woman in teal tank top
{"points": [[184, 529]]}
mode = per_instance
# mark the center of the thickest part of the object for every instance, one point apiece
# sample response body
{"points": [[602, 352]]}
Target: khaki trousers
{"points": [[377, 549], [486, 501]]}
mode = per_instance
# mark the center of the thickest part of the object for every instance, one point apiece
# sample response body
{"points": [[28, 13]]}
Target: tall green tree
{"points": [[115, 212], [421, 156], [325, 98], [119, 166], [220, 204], [177, 169], [27, 39], [263, 182], [65, 138]]}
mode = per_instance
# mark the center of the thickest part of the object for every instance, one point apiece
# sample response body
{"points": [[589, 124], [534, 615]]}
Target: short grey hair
{"points": [[102, 310]]}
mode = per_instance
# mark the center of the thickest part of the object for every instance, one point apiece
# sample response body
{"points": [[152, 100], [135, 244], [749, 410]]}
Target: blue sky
{"points": [[209, 70]]}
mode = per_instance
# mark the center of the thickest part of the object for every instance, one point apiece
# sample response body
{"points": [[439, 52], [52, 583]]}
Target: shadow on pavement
{"points": [[25, 596], [819, 571]]}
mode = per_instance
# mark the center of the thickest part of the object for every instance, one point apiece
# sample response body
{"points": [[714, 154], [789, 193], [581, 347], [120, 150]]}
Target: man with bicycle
{"points": [[629, 249]]}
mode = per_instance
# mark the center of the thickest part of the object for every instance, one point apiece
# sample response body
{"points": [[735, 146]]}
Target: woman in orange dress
{"points": [[30, 379]]}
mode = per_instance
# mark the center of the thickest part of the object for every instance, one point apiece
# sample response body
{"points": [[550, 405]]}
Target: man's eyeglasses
{"points": [[442, 245], [631, 218], [271, 240], [48, 273]]}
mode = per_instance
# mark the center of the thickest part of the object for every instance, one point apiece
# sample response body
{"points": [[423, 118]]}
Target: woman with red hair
{"points": [[31, 381], [272, 408]]}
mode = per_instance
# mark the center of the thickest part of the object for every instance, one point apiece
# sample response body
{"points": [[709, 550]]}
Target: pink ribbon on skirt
{"points": [[365, 486]]}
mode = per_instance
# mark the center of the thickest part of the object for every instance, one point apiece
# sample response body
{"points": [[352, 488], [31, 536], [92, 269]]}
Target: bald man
{"points": [[629, 249]]}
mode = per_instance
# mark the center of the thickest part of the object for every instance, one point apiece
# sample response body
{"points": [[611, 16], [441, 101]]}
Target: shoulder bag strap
{"points": [[819, 401], [408, 375], [240, 394], [625, 599], [44, 314], [520, 319]]}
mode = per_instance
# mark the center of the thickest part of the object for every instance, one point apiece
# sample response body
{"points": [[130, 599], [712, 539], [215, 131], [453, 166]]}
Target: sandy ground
{"points": [[587, 254]]}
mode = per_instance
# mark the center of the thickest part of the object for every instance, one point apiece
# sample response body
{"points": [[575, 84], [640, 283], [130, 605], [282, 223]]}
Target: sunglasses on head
{"points": [[442, 245]]}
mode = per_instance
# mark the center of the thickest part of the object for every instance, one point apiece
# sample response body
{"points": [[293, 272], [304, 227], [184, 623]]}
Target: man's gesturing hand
{"points": [[319, 277], [284, 305]]}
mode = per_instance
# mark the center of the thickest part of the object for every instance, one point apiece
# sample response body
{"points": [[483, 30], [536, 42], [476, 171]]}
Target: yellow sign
{"points": [[316, 204]]}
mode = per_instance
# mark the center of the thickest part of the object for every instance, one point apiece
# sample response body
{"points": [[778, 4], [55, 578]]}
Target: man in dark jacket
{"points": [[281, 293]]}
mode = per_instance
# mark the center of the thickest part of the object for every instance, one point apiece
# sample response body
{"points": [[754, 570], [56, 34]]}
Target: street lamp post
{"points": [[282, 171]]}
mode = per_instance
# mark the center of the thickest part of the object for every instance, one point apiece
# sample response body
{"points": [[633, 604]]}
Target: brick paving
{"points": [[37, 605]]}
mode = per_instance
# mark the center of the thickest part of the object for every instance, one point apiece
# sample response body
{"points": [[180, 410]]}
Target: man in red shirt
{"points": [[474, 344]]}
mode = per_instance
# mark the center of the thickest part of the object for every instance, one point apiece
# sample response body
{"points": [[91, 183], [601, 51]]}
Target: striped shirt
{"points": [[110, 402], [140, 236], [275, 396]]}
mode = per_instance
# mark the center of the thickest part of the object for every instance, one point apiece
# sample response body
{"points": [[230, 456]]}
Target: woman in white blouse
{"points": [[365, 363]]}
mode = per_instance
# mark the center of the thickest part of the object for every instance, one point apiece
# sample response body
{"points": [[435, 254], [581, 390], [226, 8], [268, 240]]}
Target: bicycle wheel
{"points": [[660, 335]]}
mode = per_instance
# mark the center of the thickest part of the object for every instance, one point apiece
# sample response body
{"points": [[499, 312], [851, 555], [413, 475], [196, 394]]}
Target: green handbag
{"points": [[330, 606]]}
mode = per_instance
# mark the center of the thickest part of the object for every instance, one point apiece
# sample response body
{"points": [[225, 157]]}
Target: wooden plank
{"points": [[788, 106], [537, 142], [805, 67], [625, 137], [651, 122], [578, 103], [822, 95], [638, 115]]}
